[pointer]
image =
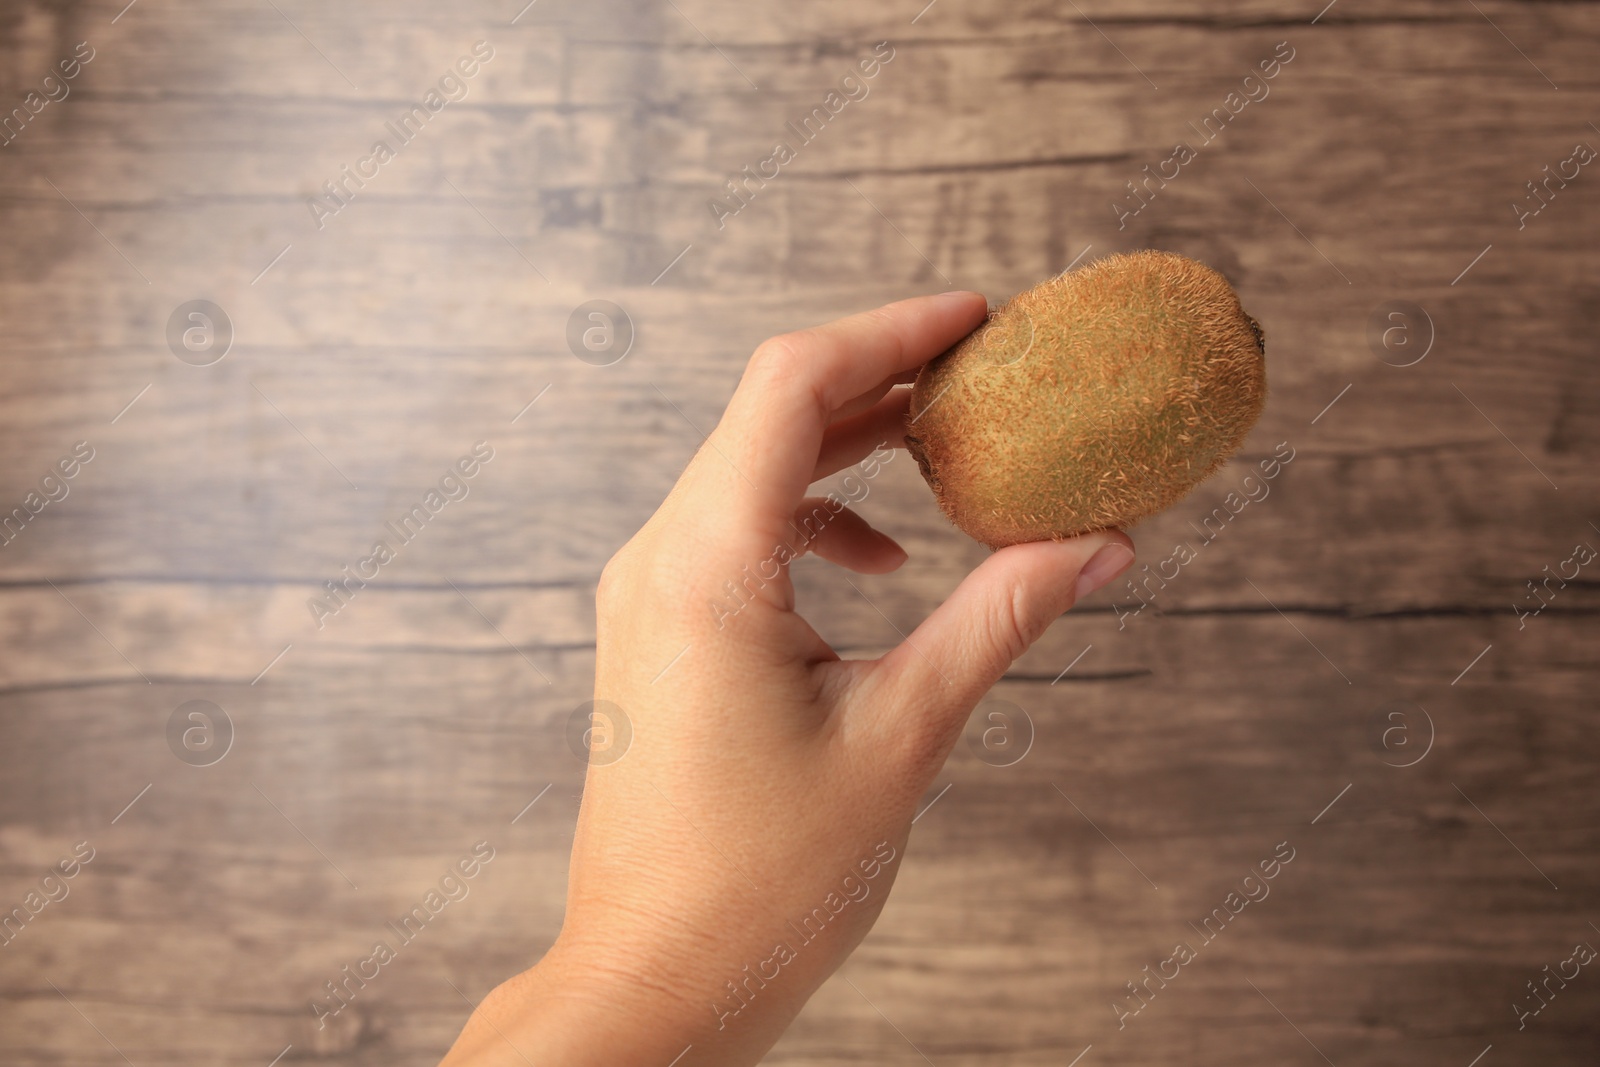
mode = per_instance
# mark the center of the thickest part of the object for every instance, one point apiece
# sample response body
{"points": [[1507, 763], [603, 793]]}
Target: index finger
{"points": [[772, 430]]}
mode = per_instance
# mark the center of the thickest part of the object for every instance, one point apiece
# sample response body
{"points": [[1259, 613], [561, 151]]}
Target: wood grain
{"points": [[1233, 713]]}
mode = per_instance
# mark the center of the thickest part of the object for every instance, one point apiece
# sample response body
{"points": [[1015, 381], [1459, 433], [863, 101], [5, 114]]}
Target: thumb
{"points": [[960, 651]]}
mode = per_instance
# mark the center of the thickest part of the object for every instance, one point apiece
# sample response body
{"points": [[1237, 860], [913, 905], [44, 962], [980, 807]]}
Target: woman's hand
{"points": [[747, 838]]}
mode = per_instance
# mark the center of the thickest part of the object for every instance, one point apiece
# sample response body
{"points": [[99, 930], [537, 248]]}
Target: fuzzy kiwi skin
{"points": [[1093, 400]]}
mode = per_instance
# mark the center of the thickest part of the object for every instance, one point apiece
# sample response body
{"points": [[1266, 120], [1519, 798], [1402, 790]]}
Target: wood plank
{"points": [[1235, 712]]}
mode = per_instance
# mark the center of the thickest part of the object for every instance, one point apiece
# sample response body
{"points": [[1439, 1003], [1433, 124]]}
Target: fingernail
{"points": [[1102, 567], [959, 296]]}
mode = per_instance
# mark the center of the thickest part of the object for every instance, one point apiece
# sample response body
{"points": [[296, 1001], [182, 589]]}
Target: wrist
{"points": [[579, 1008]]}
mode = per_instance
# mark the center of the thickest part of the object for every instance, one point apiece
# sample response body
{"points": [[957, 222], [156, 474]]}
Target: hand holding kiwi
{"points": [[1091, 401]]}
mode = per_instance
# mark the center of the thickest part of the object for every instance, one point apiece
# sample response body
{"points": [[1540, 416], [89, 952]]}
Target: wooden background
{"points": [[423, 317]]}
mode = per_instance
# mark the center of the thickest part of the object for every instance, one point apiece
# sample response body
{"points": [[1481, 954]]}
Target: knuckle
{"points": [[778, 355], [788, 365], [642, 580], [613, 582]]}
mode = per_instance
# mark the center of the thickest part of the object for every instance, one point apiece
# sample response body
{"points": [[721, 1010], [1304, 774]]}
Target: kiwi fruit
{"points": [[1093, 400]]}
